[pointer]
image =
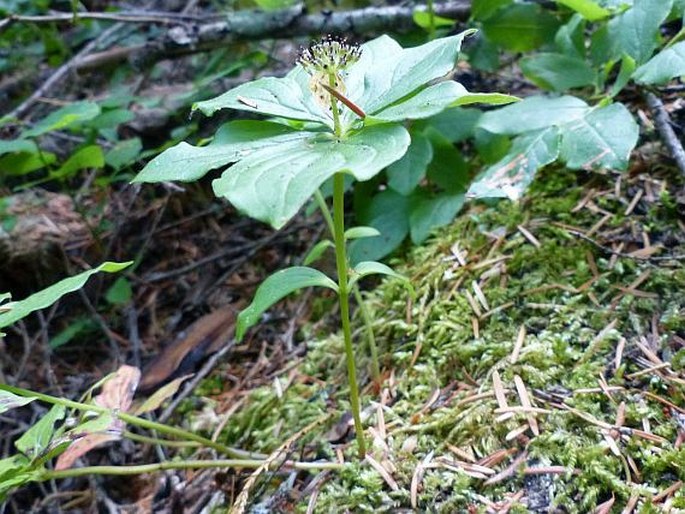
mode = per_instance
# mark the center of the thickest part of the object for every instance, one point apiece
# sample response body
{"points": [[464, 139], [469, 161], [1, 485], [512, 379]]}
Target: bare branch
{"points": [[663, 125]]}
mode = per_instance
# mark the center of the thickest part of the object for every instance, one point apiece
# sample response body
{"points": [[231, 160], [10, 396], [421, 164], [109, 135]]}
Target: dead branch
{"points": [[187, 38], [255, 25], [665, 129], [122, 16]]}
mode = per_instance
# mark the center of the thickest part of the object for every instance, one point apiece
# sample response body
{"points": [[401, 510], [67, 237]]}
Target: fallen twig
{"points": [[663, 126]]}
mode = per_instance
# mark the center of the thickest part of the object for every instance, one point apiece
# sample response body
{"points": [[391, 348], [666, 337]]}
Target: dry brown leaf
{"points": [[116, 395], [204, 337]]}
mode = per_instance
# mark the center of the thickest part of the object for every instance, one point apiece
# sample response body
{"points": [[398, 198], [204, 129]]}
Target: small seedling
{"points": [[339, 111]]}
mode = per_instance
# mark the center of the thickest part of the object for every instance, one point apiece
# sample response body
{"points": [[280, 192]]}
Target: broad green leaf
{"points": [[388, 212], [570, 38], [455, 124], [484, 54], [15, 471], [485, 99], [664, 66], [87, 157], [101, 422], [533, 113], [423, 20], [110, 119], [636, 31], [520, 27], [589, 9], [233, 141], [50, 295], [288, 97], [447, 169], [10, 401], [366, 268], [361, 232], [512, 175], [37, 438], [11, 465], [430, 212], [63, 118], [120, 292], [603, 138], [491, 147], [404, 175], [124, 153], [270, 5], [17, 164], [272, 183], [481, 9], [317, 251], [386, 72], [602, 47], [557, 72], [277, 286], [425, 103], [17, 146]]}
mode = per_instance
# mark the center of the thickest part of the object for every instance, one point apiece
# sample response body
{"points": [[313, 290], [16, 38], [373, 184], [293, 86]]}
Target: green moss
{"points": [[430, 346]]}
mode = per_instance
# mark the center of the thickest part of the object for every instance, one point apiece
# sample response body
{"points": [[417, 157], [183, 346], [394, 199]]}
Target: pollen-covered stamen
{"points": [[331, 55]]}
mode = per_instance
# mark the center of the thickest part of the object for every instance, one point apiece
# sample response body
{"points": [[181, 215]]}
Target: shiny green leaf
{"points": [[404, 175], [273, 183], [317, 251], [64, 117], [557, 72], [510, 177], [664, 66], [10, 401], [37, 438], [50, 295], [361, 232], [274, 288], [603, 138], [366, 268], [589, 9]]}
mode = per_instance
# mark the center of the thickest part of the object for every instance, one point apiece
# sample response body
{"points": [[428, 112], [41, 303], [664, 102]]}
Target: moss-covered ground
{"points": [[535, 370]]}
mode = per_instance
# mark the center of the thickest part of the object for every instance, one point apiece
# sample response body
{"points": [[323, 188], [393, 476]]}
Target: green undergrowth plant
{"points": [[70, 428], [583, 55], [339, 113], [593, 48]]}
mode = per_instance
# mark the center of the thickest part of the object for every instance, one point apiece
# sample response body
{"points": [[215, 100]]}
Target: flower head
{"points": [[331, 55]]}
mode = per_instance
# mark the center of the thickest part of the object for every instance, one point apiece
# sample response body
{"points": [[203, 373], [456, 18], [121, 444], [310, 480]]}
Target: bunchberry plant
{"points": [[339, 112]]}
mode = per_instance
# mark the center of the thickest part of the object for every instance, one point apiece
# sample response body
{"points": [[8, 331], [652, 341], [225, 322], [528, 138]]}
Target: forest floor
{"points": [[539, 368]]}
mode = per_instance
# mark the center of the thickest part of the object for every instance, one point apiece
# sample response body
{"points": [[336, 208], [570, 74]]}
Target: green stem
{"points": [[162, 442], [343, 290], [341, 263], [366, 316], [375, 367], [431, 19], [325, 211], [187, 464], [132, 420]]}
